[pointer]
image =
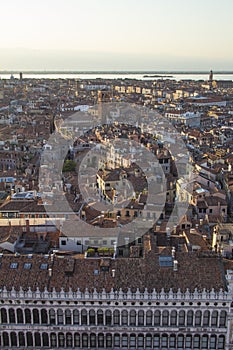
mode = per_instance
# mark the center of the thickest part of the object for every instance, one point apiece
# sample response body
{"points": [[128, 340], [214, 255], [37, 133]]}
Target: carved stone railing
{"points": [[117, 295]]}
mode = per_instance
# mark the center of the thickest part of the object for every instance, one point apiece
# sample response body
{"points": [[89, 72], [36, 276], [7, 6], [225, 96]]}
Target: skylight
{"points": [[14, 265], [165, 261], [27, 266], [43, 266]]}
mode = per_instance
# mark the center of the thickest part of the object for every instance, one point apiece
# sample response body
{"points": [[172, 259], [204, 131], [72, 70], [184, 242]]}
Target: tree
{"points": [[69, 165]]}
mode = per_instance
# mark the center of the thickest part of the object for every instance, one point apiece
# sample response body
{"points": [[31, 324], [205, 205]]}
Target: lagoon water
{"points": [[118, 75]]}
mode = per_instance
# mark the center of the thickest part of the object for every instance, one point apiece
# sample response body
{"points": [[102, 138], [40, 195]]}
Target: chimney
{"points": [[173, 252], [50, 272], [175, 265], [27, 227]]}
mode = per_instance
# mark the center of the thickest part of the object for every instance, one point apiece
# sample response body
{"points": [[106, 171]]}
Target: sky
{"points": [[116, 35]]}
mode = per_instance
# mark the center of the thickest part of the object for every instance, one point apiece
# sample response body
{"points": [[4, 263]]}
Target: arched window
{"points": [[172, 341], [61, 340], [141, 341], [198, 318], [85, 340], [149, 318], [164, 341], [53, 340], [132, 341], [157, 317], [221, 342], [45, 339], [108, 317], [100, 317], [11, 316], [28, 318], [29, 339], [132, 318], [116, 340], [125, 340], [214, 318], [52, 317], [37, 339], [173, 320], [101, 340], [3, 316], [204, 341], [93, 340], [77, 340], [116, 317], [196, 341], [44, 316], [67, 316], [141, 318], [108, 340], [92, 317], [206, 318], [35, 315], [13, 337], [69, 340], [188, 341], [76, 316], [148, 341], [180, 341], [21, 339], [59, 317], [19, 313], [5, 339], [156, 341], [165, 318], [190, 318], [213, 342], [124, 318], [181, 318], [223, 318], [84, 317]]}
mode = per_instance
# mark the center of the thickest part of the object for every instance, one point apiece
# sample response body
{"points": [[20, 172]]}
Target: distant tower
{"points": [[103, 96], [21, 76], [211, 76], [77, 87]]}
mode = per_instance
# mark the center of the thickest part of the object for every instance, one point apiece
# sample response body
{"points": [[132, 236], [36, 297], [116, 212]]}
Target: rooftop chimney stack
{"points": [[175, 265]]}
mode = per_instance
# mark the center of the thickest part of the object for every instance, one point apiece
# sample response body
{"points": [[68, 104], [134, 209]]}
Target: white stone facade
{"points": [[115, 320]]}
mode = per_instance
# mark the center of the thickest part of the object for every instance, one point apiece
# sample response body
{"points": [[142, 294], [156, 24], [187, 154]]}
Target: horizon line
{"points": [[38, 71]]}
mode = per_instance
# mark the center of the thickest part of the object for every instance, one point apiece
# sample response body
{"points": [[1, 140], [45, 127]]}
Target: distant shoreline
{"points": [[157, 76], [113, 72]]}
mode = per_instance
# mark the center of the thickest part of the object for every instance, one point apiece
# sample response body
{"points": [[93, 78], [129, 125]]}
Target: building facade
{"points": [[115, 320], [157, 301]]}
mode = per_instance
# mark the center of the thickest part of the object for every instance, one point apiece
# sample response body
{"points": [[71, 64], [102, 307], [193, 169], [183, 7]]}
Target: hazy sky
{"points": [[116, 35]]}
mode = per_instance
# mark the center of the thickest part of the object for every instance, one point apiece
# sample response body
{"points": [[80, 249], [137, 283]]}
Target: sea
{"points": [[118, 75]]}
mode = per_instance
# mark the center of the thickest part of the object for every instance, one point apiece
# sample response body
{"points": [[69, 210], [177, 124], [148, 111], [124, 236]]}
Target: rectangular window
{"points": [[63, 242]]}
